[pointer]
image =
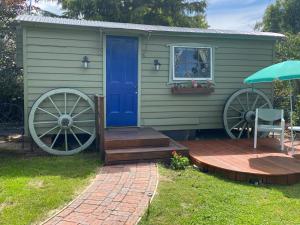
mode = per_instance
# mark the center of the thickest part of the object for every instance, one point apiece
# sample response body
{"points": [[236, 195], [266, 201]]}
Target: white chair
{"points": [[269, 115]]}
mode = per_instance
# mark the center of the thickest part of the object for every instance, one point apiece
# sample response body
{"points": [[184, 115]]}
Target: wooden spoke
{"points": [[83, 111], [235, 117], [74, 106], [254, 103], [45, 122], [81, 129], [48, 131], [84, 121], [235, 109], [49, 113], [247, 100], [237, 124], [74, 135], [55, 139], [66, 140], [241, 132], [65, 102], [262, 106], [241, 103], [55, 106]]}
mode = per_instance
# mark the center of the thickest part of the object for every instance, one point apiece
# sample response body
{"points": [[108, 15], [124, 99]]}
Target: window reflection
{"points": [[193, 63]]}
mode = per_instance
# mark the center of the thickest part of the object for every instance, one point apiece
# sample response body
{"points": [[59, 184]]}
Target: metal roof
{"points": [[139, 27]]}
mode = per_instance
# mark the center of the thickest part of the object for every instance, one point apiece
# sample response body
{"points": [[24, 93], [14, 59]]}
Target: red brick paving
{"points": [[119, 194]]}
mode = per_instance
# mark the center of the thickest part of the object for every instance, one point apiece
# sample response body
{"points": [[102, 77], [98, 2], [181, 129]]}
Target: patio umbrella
{"points": [[288, 70]]}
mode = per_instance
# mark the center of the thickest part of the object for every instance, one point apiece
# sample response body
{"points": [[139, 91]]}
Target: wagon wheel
{"points": [[239, 112], [62, 121]]}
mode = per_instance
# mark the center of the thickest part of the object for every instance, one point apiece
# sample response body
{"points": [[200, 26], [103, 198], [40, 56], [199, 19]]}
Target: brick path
{"points": [[119, 195]]}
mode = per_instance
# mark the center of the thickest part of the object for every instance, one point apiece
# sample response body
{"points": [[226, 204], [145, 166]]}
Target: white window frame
{"points": [[188, 79]]}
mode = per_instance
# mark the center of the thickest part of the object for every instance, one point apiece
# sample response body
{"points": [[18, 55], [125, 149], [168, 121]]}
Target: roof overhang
{"points": [[42, 20]]}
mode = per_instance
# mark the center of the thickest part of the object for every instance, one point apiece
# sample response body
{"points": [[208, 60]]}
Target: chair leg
{"points": [[255, 139]]}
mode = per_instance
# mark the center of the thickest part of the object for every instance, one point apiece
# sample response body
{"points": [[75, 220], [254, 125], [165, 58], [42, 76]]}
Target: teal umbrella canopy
{"points": [[288, 70]]}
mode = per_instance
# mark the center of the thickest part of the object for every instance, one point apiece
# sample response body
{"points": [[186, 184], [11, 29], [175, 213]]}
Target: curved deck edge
{"points": [[238, 161]]}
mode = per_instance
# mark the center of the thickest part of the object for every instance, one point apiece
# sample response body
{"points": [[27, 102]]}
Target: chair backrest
{"points": [[269, 114]]}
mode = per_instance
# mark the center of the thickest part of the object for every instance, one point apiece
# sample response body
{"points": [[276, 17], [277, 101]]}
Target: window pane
{"points": [[192, 62]]}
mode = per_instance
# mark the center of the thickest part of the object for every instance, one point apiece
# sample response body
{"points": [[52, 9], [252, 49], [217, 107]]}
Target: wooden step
{"points": [[123, 138], [115, 156]]}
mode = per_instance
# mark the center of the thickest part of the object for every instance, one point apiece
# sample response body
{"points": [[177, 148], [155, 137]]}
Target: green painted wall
{"points": [[234, 60], [52, 59]]}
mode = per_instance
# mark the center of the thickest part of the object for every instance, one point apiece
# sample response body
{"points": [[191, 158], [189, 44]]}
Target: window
{"points": [[192, 63]]}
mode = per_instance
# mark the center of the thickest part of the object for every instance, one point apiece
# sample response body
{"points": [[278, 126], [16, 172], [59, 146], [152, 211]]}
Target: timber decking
{"points": [[142, 153], [138, 144], [116, 138], [237, 160]]}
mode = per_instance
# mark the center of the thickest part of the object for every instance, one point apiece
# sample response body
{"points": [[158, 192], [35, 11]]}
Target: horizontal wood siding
{"points": [[54, 61], [234, 60]]}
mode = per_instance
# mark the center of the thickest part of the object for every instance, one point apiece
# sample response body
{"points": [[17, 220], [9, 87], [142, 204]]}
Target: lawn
{"points": [[31, 187], [193, 197]]}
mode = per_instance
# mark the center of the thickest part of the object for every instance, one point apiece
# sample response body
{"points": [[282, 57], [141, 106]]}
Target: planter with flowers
{"points": [[179, 162], [206, 87]]}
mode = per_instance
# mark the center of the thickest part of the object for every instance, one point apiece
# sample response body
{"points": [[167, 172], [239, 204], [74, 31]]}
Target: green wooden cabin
{"points": [[103, 57]]}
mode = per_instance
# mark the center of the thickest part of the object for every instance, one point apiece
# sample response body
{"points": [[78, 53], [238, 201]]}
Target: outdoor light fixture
{"points": [[85, 62], [156, 65]]}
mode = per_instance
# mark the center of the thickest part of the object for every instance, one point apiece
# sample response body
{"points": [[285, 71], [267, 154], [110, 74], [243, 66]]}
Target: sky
{"points": [[235, 14], [221, 14]]}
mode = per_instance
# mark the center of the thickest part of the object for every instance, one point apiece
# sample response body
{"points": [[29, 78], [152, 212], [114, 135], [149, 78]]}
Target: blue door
{"points": [[121, 81]]}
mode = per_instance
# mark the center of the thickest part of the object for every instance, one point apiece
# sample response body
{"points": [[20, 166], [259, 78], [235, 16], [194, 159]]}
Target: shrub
{"points": [[179, 162]]}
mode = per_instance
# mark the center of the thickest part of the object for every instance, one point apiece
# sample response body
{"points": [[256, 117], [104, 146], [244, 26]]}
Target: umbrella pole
{"points": [[291, 119]]}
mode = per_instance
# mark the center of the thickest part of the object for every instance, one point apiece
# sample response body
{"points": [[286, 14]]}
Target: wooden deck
{"points": [[122, 145], [116, 138], [237, 160]]}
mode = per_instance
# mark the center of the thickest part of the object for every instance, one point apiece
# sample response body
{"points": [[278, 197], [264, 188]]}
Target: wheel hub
{"points": [[65, 121], [250, 116]]}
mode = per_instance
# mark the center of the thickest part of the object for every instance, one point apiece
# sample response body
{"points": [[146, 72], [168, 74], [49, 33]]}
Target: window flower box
{"points": [[194, 88]]}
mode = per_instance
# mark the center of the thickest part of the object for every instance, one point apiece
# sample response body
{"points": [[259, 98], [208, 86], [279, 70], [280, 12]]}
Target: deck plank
{"points": [[116, 138], [238, 160]]}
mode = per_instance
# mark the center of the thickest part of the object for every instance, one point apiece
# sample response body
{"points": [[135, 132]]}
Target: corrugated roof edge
{"points": [[139, 27]]}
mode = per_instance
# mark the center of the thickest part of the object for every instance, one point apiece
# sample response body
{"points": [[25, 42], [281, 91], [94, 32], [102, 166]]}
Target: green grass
{"points": [[193, 197], [30, 187]]}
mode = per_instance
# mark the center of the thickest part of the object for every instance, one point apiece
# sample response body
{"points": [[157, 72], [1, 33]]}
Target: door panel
{"points": [[121, 81]]}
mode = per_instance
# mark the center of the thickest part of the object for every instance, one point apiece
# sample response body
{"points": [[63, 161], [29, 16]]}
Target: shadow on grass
{"points": [[14, 164], [289, 191]]}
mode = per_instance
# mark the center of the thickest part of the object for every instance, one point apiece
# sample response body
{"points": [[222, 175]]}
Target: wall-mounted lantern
{"points": [[85, 62], [157, 65]]}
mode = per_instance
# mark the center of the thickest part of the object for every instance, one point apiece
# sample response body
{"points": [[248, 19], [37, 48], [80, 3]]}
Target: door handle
{"points": [[136, 90]]}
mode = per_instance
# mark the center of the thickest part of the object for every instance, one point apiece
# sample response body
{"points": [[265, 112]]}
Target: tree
{"points": [[282, 16], [11, 79], [154, 12], [288, 49]]}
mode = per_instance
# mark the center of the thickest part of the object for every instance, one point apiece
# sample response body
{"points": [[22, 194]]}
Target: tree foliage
{"points": [[154, 12], [282, 16], [11, 79]]}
